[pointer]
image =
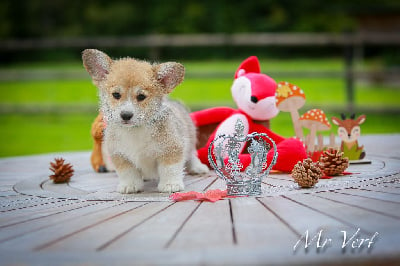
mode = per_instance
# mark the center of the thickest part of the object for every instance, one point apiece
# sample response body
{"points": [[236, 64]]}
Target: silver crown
{"points": [[228, 166]]}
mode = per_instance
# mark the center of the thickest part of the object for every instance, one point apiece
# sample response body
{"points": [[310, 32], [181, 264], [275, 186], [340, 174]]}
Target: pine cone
{"points": [[306, 173], [62, 172], [333, 162]]}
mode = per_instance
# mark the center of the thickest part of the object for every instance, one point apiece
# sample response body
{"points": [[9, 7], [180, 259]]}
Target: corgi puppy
{"points": [[147, 135]]}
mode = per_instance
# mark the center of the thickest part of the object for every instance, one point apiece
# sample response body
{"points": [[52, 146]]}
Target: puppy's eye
{"points": [[116, 95], [141, 97]]}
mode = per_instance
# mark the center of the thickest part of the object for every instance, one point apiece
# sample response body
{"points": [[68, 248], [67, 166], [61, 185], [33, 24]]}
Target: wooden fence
{"points": [[349, 42], [241, 39]]}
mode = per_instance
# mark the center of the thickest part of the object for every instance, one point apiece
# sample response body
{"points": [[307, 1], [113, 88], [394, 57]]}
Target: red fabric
{"points": [[315, 155], [249, 65], [262, 86], [290, 151], [211, 115]]}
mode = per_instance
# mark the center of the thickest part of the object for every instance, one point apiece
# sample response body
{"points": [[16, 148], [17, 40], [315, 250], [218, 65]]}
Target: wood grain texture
{"points": [[86, 222]]}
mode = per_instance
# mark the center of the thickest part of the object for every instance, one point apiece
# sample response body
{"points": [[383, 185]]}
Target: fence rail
{"points": [[241, 39], [349, 41]]}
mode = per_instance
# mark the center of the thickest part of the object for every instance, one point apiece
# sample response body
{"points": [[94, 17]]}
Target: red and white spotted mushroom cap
{"points": [[315, 117], [289, 97]]}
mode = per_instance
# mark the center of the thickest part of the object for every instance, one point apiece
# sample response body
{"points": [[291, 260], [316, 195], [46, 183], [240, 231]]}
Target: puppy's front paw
{"points": [[171, 187], [127, 188]]}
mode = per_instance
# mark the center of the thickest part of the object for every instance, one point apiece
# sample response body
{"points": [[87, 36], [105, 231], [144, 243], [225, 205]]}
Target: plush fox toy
{"points": [[254, 94]]}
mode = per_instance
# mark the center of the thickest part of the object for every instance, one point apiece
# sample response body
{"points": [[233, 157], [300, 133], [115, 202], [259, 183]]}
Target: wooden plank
{"points": [[57, 231], [280, 176], [385, 208], [156, 233], [47, 218], [255, 225], [260, 229], [191, 179], [349, 215], [201, 185], [151, 193], [279, 182], [234, 231], [384, 189], [111, 229], [210, 225], [31, 187], [21, 215], [8, 201], [376, 165], [25, 202], [369, 222], [91, 182], [63, 189], [373, 194], [309, 222], [100, 192], [8, 193], [94, 182]]}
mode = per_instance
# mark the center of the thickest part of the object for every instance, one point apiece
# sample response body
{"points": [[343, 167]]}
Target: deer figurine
{"points": [[349, 131]]}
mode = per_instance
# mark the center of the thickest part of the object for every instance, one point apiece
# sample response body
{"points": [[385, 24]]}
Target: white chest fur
{"points": [[136, 145]]}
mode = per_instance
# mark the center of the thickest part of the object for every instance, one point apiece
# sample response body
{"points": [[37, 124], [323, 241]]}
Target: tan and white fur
{"points": [[147, 135]]}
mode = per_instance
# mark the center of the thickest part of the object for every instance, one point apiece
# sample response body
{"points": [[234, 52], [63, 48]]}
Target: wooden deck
{"points": [[348, 219]]}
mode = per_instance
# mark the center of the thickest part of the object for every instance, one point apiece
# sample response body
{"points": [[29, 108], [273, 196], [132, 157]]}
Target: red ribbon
{"points": [[210, 195]]}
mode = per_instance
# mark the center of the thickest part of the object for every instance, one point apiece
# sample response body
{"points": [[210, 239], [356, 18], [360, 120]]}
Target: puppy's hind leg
{"points": [[96, 158], [195, 166], [130, 179]]}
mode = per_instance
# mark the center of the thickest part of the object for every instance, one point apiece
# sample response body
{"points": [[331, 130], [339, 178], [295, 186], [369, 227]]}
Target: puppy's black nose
{"points": [[349, 135], [254, 99], [126, 115]]}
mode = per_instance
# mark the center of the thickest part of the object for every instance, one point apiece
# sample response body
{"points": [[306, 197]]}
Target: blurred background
{"points": [[344, 54]]}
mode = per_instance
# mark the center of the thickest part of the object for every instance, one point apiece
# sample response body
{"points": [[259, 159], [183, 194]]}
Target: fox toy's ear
{"points": [[170, 75], [97, 64], [249, 65]]}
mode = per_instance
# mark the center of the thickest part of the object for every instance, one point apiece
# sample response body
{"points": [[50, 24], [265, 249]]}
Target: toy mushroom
{"points": [[290, 98], [315, 120]]}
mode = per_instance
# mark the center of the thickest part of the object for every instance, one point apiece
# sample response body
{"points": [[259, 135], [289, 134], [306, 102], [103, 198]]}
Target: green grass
{"points": [[195, 92], [320, 91], [35, 132], [39, 133], [55, 92]]}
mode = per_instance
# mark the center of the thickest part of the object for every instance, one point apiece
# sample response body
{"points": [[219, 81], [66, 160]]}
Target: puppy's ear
{"points": [[97, 64], [169, 74]]}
